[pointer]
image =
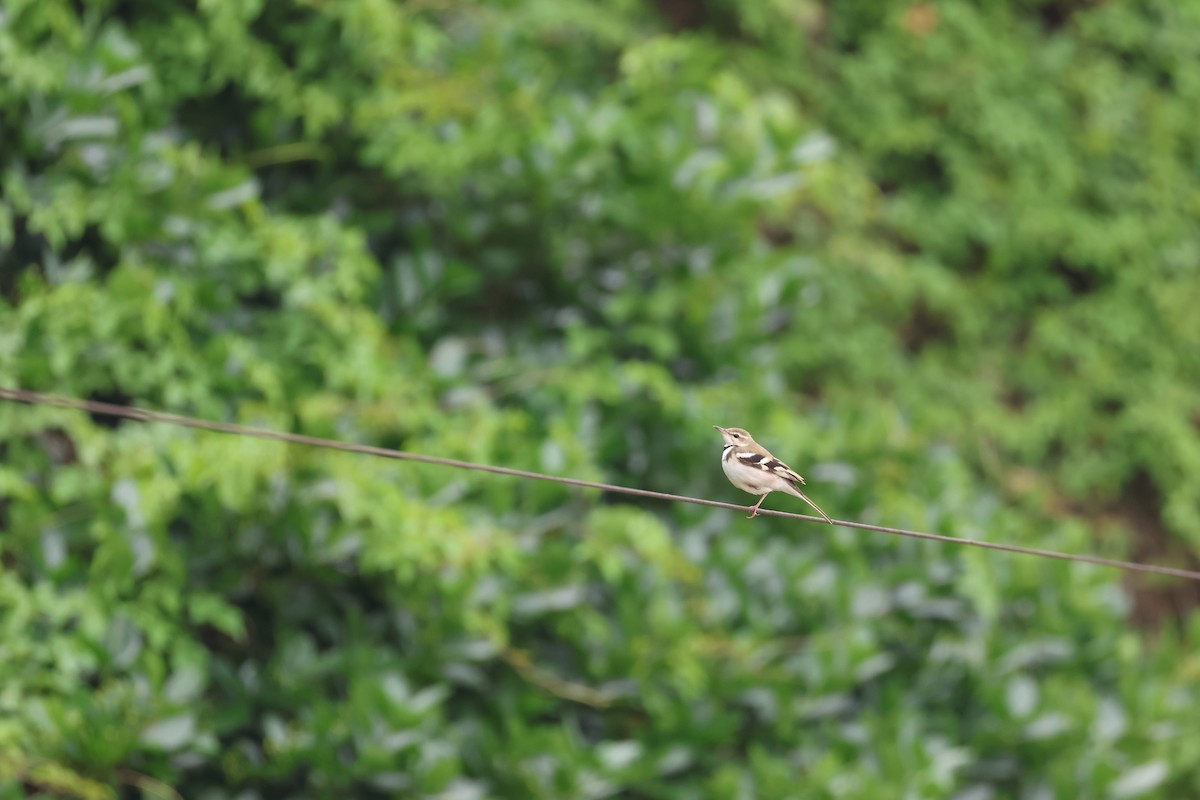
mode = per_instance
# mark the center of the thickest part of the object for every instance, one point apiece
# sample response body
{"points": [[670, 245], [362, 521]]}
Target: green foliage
{"points": [[941, 258]]}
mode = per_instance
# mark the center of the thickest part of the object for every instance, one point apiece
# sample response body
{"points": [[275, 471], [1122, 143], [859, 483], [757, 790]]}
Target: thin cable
{"points": [[145, 415]]}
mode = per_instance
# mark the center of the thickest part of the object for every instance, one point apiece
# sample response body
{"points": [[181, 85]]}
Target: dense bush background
{"points": [[943, 258]]}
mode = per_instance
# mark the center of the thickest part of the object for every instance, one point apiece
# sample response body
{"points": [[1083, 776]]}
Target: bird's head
{"points": [[735, 435]]}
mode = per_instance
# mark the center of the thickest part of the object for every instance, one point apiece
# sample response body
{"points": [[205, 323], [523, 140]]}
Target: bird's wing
{"points": [[769, 463]]}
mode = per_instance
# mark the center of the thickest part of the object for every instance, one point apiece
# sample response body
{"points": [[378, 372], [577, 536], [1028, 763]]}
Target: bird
{"points": [[751, 468]]}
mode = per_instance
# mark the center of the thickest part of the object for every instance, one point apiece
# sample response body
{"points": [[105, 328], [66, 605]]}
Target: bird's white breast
{"points": [[750, 479]]}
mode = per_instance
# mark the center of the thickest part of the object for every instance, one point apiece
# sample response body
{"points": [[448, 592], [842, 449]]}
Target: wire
{"points": [[145, 415]]}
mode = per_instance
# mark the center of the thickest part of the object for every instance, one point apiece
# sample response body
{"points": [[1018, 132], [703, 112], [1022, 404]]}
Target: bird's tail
{"points": [[804, 497]]}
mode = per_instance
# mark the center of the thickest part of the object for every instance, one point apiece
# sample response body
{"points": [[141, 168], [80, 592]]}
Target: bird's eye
{"points": [[737, 436]]}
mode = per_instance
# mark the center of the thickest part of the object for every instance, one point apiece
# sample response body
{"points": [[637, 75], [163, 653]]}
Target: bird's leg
{"points": [[754, 509]]}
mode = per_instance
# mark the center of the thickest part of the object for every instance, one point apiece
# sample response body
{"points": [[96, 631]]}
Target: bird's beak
{"points": [[718, 427]]}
